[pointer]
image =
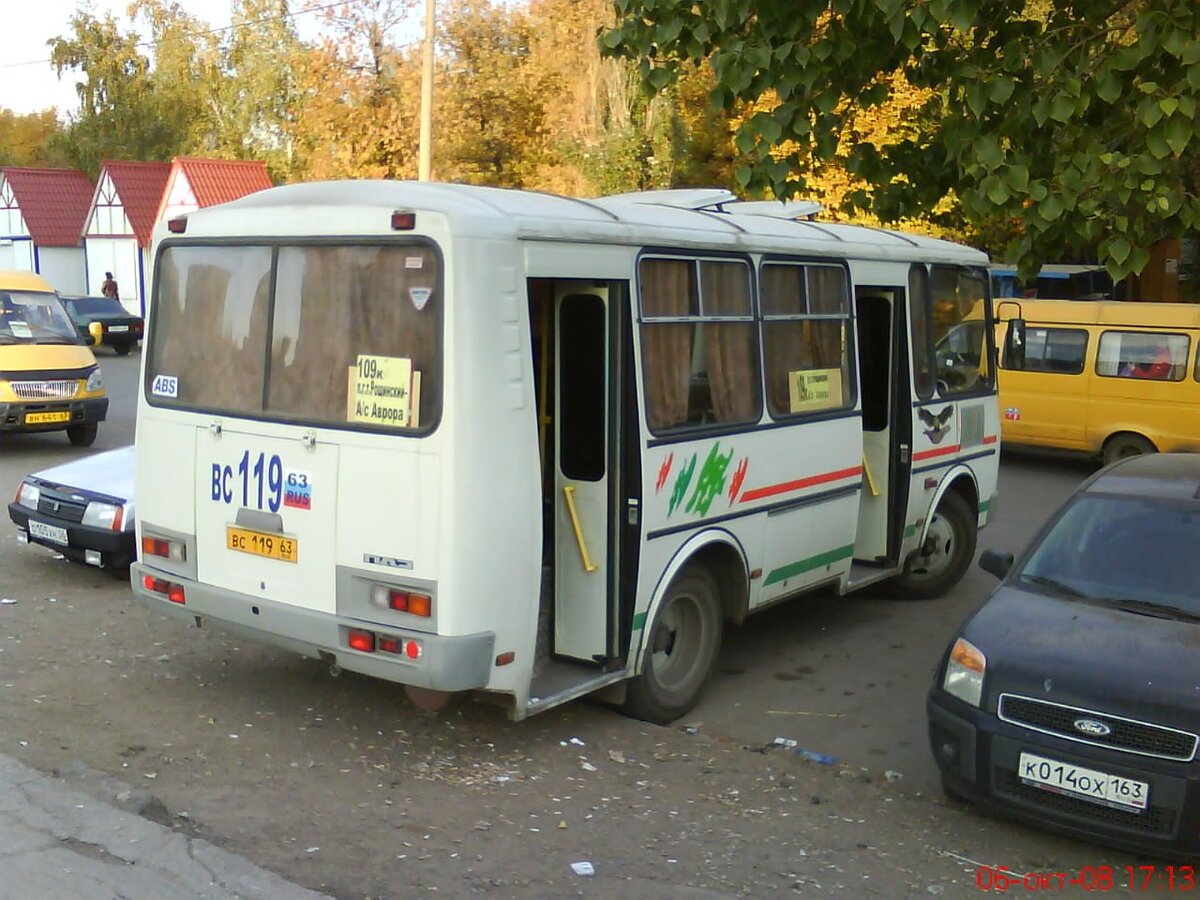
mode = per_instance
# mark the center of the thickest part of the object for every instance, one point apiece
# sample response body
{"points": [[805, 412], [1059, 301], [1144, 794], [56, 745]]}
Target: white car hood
{"points": [[109, 473]]}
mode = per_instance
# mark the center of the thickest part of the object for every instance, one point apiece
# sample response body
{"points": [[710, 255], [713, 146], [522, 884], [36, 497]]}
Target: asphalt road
{"points": [[266, 755]]}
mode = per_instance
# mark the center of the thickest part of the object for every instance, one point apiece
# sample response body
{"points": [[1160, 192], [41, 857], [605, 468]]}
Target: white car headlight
{"points": [[103, 515], [96, 380], [28, 494], [964, 672]]}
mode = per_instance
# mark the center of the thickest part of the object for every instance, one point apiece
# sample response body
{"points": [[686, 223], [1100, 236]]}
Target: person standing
{"points": [[109, 287]]}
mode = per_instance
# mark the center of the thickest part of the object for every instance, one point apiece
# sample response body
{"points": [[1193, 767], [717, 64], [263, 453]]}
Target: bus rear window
{"points": [[343, 335]]}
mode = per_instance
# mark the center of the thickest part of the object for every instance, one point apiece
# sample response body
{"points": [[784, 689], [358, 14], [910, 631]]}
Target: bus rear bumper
{"points": [[442, 663]]}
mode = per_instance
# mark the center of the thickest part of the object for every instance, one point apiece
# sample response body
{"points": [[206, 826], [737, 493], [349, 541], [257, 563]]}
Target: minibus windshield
{"points": [[34, 317]]}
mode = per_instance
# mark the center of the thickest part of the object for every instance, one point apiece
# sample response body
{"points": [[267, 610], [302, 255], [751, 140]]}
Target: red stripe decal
{"points": [[788, 486], [990, 439], [936, 451]]}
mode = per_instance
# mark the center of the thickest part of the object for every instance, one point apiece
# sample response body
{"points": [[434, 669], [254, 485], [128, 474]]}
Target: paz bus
{"points": [[471, 439]]}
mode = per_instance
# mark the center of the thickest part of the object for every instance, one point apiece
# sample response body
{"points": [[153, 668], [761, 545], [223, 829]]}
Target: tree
{"points": [[31, 140], [1078, 122], [119, 114]]}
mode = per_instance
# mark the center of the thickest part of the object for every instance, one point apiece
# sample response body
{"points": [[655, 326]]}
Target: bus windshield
{"points": [[34, 317], [334, 335]]}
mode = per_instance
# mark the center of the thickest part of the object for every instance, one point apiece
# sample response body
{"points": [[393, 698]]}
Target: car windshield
{"points": [[1121, 549], [98, 306], [34, 317]]}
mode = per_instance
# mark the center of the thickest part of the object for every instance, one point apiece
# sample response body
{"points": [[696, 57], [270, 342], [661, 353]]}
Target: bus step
{"points": [[862, 574], [561, 681]]}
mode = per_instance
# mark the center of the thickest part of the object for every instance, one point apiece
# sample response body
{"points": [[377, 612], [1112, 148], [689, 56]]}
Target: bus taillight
{"points": [[172, 550], [403, 601], [363, 641], [173, 592]]}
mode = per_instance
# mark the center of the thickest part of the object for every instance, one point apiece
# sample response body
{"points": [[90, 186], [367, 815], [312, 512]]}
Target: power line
{"points": [[211, 31]]}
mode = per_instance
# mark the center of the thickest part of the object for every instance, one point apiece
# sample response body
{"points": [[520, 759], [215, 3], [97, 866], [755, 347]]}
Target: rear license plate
{"points": [[41, 418], [260, 543], [48, 532], [116, 328], [1086, 784]]}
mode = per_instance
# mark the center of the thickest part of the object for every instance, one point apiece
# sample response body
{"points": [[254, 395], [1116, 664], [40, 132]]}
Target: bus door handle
{"points": [[569, 493]]}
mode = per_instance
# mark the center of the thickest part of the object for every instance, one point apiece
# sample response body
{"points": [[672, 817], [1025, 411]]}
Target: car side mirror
{"points": [[996, 563], [95, 334], [1014, 344]]}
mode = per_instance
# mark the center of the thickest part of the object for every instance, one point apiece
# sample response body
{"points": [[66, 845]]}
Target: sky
{"points": [[27, 80]]}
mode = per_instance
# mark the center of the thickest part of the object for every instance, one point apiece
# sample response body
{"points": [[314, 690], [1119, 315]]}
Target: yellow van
{"points": [[49, 380], [1110, 378]]}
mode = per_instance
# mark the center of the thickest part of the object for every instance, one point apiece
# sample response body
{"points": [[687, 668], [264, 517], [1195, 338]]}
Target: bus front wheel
{"points": [[1124, 445], [682, 646], [938, 564]]}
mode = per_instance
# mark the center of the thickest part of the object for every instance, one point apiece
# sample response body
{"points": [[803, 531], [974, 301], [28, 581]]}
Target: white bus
{"points": [[470, 439]]}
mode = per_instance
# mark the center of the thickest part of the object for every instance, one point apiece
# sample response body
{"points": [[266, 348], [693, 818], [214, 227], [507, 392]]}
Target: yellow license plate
{"points": [[43, 418], [260, 543]]}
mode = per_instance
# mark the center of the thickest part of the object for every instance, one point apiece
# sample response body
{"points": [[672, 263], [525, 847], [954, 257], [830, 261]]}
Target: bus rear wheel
{"points": [[682, 647], [1125, 445], [949, 547]]}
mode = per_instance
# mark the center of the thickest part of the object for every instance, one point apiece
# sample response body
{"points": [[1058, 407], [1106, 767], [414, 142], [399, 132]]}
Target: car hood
{"points": [[1094, 657], [40, 357], [109, 474]]}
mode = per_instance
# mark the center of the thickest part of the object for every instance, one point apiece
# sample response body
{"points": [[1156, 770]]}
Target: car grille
{"points": [[1125, 734], [1158, 820], [60, 507], [45, 390]]}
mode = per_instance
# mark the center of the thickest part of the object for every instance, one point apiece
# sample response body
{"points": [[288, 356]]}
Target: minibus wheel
{"points": [[1124, 445], [682, 646], [938, 564], [82, 435]]}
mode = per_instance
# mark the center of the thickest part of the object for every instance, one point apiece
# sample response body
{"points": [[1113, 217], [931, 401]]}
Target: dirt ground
{"points": [[339, 784]]}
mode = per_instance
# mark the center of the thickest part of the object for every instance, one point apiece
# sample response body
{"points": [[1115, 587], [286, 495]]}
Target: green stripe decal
{"points": [[639, 621], [983, 507], [807, 565], [909, 531]]}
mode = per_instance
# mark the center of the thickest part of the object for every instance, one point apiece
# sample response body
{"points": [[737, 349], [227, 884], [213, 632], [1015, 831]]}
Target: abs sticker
{"points": [[165, 386], [297, 490]]}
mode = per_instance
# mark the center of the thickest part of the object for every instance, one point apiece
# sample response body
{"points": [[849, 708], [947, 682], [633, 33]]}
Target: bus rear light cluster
{"points": [[175, 551], [369, 642], [411, 602], [170, 590]]}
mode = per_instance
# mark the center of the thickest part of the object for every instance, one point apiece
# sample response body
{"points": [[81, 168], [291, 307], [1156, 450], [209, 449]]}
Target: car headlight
{"points": [[28, 494], [95, 381], [103, 515], [964, 672]]}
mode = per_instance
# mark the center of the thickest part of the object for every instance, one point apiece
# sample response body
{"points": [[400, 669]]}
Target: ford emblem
{"points": [[1092, 728]]}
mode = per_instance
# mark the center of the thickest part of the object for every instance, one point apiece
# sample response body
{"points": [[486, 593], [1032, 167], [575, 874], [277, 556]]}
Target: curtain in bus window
{"points": [[732, 367], [827, 296], [335, 304], [668, 290], [209, 327]]}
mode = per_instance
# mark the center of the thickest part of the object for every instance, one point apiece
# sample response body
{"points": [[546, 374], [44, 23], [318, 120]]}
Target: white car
{"points": [[83, 509]]}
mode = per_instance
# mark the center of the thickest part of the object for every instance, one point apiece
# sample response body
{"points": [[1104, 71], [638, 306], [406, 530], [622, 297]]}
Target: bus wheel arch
{"points": [[948, 542], [1124, 444], [682, 638]]}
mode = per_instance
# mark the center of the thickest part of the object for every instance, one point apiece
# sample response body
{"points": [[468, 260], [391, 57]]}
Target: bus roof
{"points": [[1130, 313], [650, 219]]}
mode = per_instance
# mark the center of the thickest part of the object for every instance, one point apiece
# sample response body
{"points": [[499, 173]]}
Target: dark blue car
{"points": [[1071, 698]]}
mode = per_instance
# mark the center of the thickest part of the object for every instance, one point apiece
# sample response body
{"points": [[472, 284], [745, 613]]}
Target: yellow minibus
{"points": [[49, 380], [1109, 378]]}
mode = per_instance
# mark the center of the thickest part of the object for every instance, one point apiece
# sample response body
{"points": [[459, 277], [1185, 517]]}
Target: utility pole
{"points": [[425, 152]]}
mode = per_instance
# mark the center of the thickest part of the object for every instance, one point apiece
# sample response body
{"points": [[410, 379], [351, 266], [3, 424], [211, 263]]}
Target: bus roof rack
{"points": [[680, 198], [775, 209]]}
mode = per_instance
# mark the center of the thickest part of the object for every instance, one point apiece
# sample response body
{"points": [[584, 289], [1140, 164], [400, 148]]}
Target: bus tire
{"points": [[681, 650], [1124, 445], [82, 435], [949, 547]]}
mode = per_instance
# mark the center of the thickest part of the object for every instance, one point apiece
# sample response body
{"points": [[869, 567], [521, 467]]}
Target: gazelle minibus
{"points": [[470, 439]]}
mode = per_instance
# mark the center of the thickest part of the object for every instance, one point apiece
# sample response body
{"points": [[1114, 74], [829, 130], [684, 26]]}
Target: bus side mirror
{"points": [[95, 334], [1014, 344]]}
